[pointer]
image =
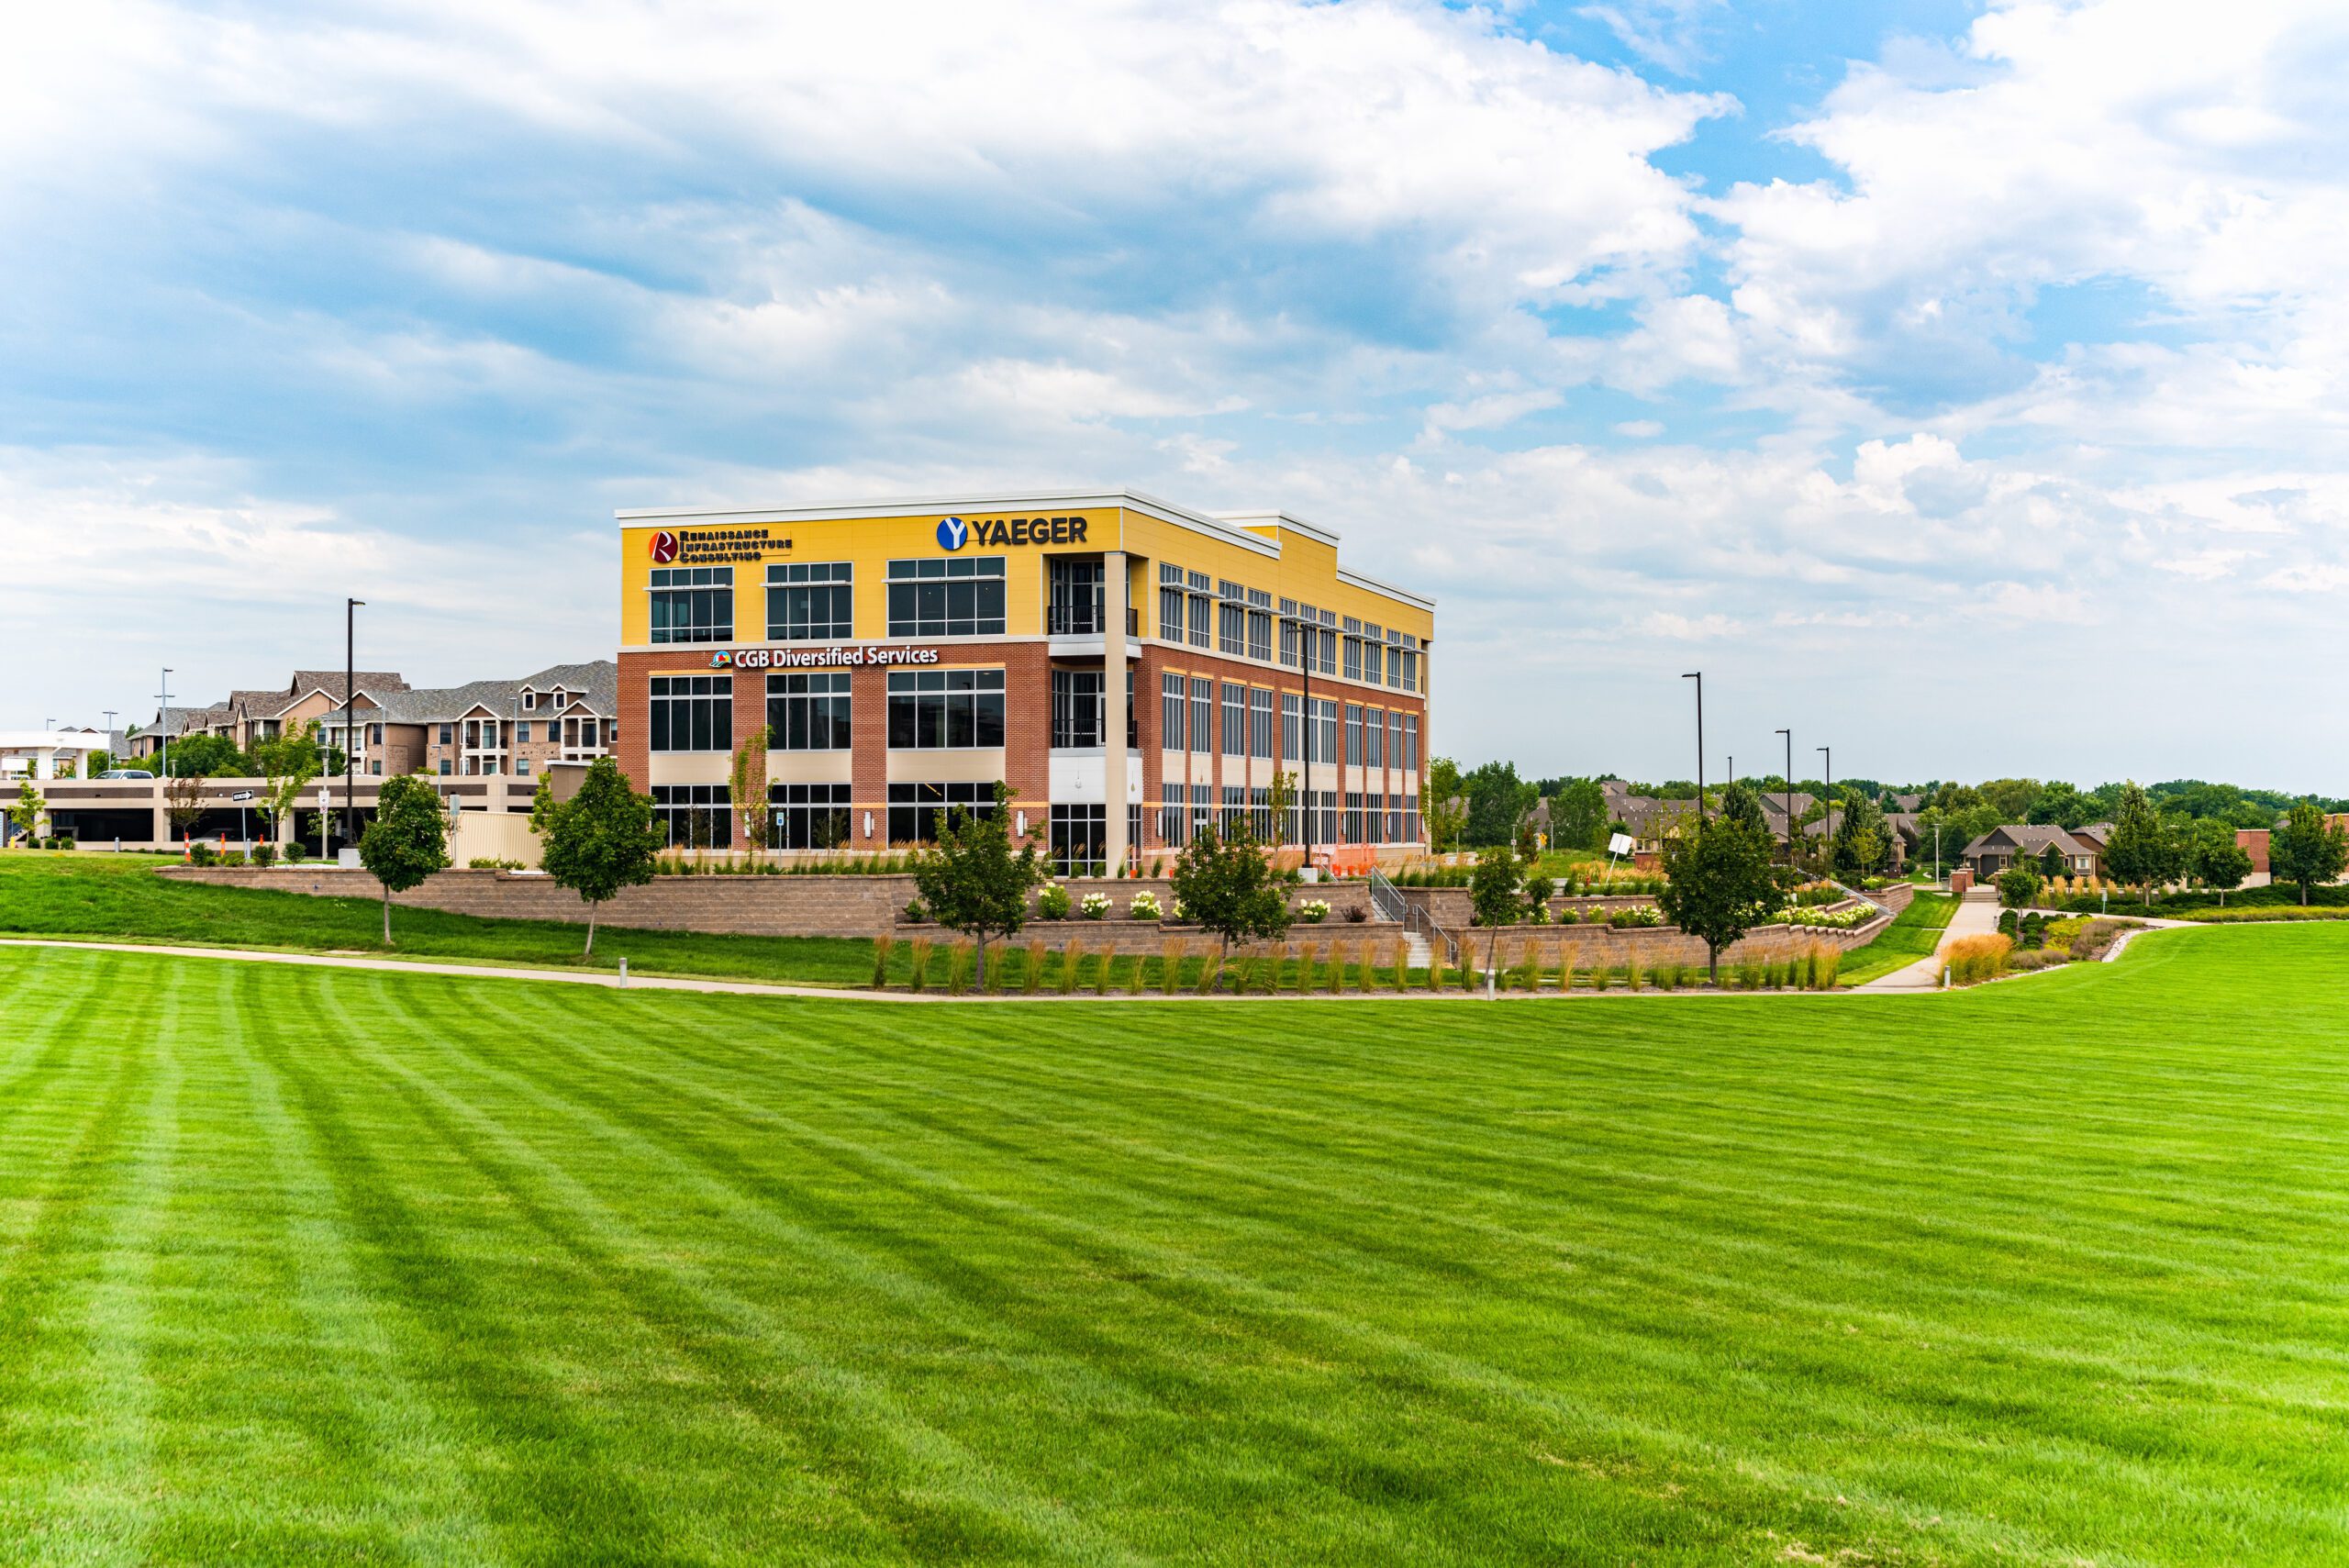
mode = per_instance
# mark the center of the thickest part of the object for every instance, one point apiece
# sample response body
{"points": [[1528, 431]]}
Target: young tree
{"points": [[1445, 808], [746, 786], [1497, 802], [211, 756], [183, 801], [1228, 886], [2306, 851], [1496, 891], [408, 841], [2018, 883], [1279, 801], [287, 765], [1578, 816], [1740, 802], [598, 841], [1859, 846], [2051, 863], [2219, 861], [1721, 885], [2141, 850], [971, 879], [25, 812]]}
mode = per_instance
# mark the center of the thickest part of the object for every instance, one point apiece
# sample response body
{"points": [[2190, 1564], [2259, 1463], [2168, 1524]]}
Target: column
{"points": [[1113, 703]]}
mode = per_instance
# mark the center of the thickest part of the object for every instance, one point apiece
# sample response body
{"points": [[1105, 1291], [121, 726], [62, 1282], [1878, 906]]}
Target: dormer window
{"points": [[530, 701]]}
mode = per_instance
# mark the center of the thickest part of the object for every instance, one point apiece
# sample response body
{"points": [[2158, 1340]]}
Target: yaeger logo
{"points": [[664, 547], [953, 533]]}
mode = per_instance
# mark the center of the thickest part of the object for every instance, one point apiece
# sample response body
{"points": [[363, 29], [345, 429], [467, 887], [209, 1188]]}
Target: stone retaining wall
{"points": [[749, 905]]}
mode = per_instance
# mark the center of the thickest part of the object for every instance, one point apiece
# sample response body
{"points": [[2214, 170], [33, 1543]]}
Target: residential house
{"points": [[1995, 850]]}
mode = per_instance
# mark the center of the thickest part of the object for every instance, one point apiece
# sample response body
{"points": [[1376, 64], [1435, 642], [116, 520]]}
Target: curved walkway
{"points": [[1972, 918]]}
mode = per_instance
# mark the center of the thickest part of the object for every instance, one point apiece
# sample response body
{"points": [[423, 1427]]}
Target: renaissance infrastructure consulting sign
{"points": [[843, 657]]}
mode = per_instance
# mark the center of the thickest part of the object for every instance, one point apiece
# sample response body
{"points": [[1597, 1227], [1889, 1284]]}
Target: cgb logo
{"points": [[953, 533], [664, 547]]}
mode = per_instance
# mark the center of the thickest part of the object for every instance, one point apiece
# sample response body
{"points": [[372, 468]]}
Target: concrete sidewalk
{"points": [[1974, 917]]}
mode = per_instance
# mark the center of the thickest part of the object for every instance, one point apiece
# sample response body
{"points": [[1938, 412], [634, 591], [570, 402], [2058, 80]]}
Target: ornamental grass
{"points": [[1972, 960], [920, 956]]}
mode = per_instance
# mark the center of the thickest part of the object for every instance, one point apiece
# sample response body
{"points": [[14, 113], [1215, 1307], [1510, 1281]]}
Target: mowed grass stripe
{"points": [[745, 1357], [1399, 1283]]}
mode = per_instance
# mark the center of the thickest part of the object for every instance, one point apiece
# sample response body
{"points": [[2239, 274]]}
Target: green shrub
{"points": [[263, 855], [1749, 976], [1053, 903], [200, 853], [296, 852]]}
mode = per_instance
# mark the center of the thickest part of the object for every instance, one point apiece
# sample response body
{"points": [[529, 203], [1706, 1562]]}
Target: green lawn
{"points": [[1914, 933], [302, 1266], [120, 898]]}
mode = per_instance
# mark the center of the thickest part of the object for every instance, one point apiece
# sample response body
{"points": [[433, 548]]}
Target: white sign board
{"points": [[242, 796], [1619, 844]]}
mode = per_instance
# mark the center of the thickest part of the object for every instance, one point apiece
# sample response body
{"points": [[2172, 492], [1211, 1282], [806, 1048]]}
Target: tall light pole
{"points": [[1305, 783], [1829, 753], [349, 625], [1789, 783], [1698, 676], [164, 696]]}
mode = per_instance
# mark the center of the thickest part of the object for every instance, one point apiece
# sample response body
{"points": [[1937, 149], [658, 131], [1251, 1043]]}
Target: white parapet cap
{"points": [[80, 742]]}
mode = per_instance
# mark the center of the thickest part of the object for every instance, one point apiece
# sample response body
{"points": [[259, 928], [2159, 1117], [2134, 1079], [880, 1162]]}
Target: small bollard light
{"points": [[623, 972]]}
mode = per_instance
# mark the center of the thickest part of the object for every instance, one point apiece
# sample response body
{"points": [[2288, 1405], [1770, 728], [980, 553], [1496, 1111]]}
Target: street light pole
{"points": [[1791, 793], [164, 696], [1829, 753], [1698, 676], [350, 677], [1304, 783]]}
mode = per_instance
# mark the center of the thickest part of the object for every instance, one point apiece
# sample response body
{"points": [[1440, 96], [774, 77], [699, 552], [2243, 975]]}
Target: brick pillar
{"points": [[750, 716], [1028, 734], [868, 691], [1113, 683]]}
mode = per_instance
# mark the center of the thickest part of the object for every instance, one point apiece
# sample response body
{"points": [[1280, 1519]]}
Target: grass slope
{"points": [[1914, 933], [302, 1266], [120, 898]]}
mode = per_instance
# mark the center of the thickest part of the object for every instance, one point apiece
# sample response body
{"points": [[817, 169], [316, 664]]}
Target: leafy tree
{"points": [[2013, 798], [1443, 808], [1860, 847], [746, 786], [25, 812], [598, 841], [1496, 891], [1578, 816], [971, 881], [2218, 860], [1228, 886], [287, 765], [100, 762], [1280, 799], [2018, 883], [408, 839], [2141, 850], [2306, 849], [1722, 885], [1740, 802], [212, 756], [183, 801], [2063, 806], [2051, 862], [1497, 802]]}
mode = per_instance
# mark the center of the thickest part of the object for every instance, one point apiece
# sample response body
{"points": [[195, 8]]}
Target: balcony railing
{"points": [[1086, 620]]}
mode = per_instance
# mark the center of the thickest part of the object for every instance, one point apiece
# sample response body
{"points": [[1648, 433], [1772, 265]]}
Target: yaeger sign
{"points": [[841, 657], [953, 533]]}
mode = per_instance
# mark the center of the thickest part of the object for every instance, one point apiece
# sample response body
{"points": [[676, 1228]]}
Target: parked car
{"points": [[126, 773]]}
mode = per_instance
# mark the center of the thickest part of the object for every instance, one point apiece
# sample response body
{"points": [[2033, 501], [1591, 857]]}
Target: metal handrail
{"points": [[1386, 897], [1423, 922]]}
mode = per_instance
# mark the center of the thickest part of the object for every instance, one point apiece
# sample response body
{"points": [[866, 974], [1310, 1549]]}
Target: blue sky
{"points": [[1960, 385]]}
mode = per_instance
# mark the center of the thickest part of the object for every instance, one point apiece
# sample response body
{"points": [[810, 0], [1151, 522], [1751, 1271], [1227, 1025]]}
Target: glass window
{"points": [[1077, 609], [1260, 722], [693, 604], [448, 733], [1352, 829], [691, 713], [1200, 606], [1080, 838], [811, 601], [1292, 726], [932, 710], [810, 816], [1354, 741], [693, 815], [1170, 613], [1353, 658], [1174, 815], [1202, 714], [1374, 737], [1170, 712], [1260, 635], [1235, 719], [1078, 711], [914, 807], [1325, 730], [521, 732], [1231, 630], [808, 713], [958, 596], [1234, 815], [1409, 759], [521, 764]]}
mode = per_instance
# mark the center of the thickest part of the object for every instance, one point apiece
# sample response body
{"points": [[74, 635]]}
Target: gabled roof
{"points": [[2030, 837], [331, 682], [596, 685]]}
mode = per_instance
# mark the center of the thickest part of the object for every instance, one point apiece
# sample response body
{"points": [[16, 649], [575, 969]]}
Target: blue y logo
{"points": [[953, 533]]}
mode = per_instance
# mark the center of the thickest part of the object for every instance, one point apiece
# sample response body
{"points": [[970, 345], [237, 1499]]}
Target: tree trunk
{"points": [[592, 908], [979, 965], [1713, 964], [387, 914], [2304, 896], [1492, 941]]}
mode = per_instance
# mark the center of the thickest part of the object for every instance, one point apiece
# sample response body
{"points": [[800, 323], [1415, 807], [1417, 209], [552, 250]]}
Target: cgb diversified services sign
{"points": [[844, 656]]}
